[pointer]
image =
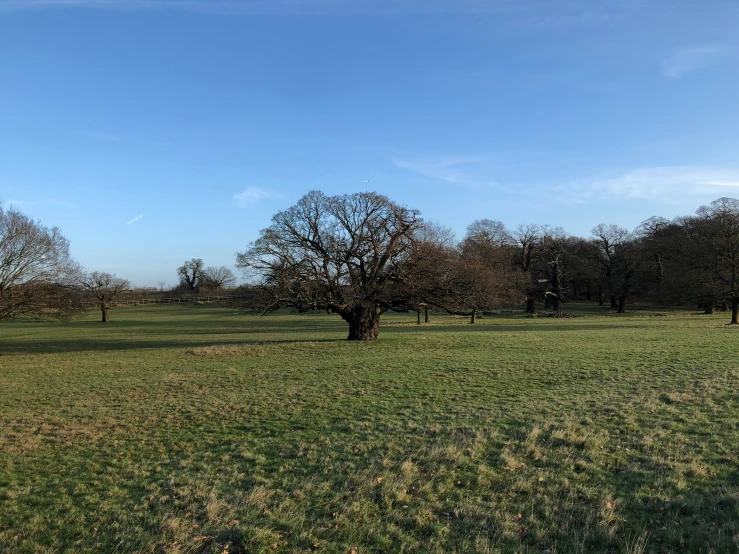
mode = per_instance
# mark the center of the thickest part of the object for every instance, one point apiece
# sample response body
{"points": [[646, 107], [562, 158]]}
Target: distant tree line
{"points": [[39, 278], [361, 255], [194, 276]]}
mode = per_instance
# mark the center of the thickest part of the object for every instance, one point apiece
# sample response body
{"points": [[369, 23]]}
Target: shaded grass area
{"points": [[193, 429]]}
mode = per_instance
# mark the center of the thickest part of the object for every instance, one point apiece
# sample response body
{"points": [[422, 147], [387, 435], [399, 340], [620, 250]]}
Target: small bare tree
{"points": [[217, 277], [553, 243], [104, 287], [190, 273], [607, 239], [428, 264], [527, 238]]}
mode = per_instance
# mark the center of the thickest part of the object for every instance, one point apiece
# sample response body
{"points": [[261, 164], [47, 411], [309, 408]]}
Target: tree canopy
{"points": [[191, 273], [38, 277], [344, 254], [104, 288]]}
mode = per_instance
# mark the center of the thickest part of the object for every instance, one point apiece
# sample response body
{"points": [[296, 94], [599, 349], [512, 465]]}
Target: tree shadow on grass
{"points": [[508, 328], [114, 337], [102, 345]]}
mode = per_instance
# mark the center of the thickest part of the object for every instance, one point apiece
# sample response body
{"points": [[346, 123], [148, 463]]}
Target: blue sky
{"points": [[154, 131]]}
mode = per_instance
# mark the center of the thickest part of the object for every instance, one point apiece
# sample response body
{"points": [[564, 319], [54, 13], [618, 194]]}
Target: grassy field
{"points": [[193, 429]]}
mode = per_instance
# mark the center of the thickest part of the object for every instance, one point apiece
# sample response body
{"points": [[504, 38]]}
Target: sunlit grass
{"points": [[194, 429]]}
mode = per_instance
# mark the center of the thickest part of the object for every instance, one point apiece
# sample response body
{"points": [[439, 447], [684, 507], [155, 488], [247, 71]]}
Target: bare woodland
{"points": [[361, 255]]}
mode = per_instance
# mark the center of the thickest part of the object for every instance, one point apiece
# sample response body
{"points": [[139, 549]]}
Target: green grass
{"points": [[193, 429]]}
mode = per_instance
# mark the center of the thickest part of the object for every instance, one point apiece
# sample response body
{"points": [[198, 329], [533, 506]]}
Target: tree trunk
{"points": [[473, 317], [426, 315], [660, 269], [735, 310], [364, 323], [418, 322], [556, 305], [601, 300], [530, 308], [709, 308], [622, 304], [104, 308], [614, 303]]}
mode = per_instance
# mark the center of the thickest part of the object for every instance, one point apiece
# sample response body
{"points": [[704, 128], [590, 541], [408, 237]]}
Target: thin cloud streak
{"points": [[668, 184], [275, 6], [45, 201], [134, 220], [20, 203], [103, 136], [115, 138], [456, 170], [691, 59], [63, 203], [251, 196], [723, 183], [571, 12]]}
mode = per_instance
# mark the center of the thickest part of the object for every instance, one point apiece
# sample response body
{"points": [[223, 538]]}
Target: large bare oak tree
{"points": [[37, 275], [344, 254]]}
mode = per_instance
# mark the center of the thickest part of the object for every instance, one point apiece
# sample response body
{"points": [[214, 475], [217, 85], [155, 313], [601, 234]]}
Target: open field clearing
{"points": [[192, 429]]}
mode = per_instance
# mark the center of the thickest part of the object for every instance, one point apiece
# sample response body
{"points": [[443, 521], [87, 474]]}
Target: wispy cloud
{"points": [[116, 138], [586, 12], [273, 6], [723, 183], [20, 203], [60, 202], [669, 184], [106, 137], [691, 59], [46, 200], [457, 170], [251, 196], [575, 10], [134, 220]]}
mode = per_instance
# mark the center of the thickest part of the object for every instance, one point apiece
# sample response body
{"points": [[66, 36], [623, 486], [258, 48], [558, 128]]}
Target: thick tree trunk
{"points": [[364, 323], [556, 305], [622, 304], [104, 308], [426, 315], [709, 308], [473, 317], [735, 310], [418, 322], [530, 307], [614, 303]]}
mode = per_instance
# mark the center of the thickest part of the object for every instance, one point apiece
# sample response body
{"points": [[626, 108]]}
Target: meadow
{"points": [[189, 429]]}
